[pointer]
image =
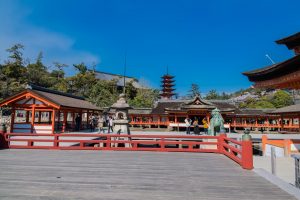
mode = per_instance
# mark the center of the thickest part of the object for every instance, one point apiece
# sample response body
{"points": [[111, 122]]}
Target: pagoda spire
{"points": [[167, 90]]}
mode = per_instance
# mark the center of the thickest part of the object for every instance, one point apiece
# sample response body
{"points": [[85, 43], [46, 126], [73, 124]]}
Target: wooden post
{"points": [[281, 125], [53, 121], [27, 116], [49, 117], [287, 147], [32, 118], [64, 126], [12, 120], [39, 119], [220, 142], [264, 140], [247, 152]]}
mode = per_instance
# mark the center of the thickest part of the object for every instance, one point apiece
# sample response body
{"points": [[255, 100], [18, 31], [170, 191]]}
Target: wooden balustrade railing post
{"points": [[247, 152], [220, 142], [162, 144], [55, 143], [287, 147], [108, 142], [264, 140]]}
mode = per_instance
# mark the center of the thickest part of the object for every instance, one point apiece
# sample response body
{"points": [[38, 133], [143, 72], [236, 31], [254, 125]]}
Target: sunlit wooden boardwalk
{"points": [[109, 175]]}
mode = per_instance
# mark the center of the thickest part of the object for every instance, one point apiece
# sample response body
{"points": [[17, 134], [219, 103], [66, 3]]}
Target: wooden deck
{"points": [[109, 175]]}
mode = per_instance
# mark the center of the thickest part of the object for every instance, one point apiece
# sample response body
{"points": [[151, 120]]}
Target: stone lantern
{"points": [[121, 121]]}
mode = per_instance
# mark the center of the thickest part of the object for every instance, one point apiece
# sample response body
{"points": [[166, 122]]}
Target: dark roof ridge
{"points": [[270, 68], [113, 74], [43, 89], [288, 38]]}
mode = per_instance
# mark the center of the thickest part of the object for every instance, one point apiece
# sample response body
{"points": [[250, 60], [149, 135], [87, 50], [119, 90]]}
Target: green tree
{"points": [[60, 69], [130, 90], [145, 98], [103, 93], [194, 91], [13, 72], [212, 94], [281, 99], [37, 73], [81, 67]]}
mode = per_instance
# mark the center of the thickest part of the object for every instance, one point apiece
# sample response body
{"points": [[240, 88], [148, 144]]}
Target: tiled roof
{"points": [[57, 98], [120, 78], [66, 101], [288, 109], [277, 70]]}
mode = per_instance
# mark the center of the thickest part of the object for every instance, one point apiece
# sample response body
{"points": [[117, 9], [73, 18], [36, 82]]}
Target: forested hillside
{"points": [[16, 72]]}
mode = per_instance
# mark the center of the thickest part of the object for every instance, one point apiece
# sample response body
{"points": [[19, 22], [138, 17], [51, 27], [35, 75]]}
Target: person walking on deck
{"points": [[205, 126], [188, 125], [110, 124], [77, 122], [196, 127], [92, 123]]}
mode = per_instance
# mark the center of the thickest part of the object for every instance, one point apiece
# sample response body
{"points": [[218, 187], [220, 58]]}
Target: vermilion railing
{"points": [[240, 152]]}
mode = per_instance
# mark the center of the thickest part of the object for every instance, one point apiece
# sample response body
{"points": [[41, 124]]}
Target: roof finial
{"points": [[167, 69]]}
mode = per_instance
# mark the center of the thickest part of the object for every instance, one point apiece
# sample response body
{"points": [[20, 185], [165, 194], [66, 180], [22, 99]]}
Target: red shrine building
{"points": [[41, 110], [284, 74], [171, 113]]}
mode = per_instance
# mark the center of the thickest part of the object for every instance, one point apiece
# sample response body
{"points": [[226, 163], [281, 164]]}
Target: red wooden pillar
{"points": [[12, 120], [53, 120], [281, 124], [264, 140], [49, 117], [32, 118], [220, 142], [175, 118], [247, 154]]}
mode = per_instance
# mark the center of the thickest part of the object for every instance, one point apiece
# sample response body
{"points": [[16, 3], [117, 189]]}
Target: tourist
{"points": [[92, 123], [196, 127], [110, 124], [77, 122], [205, 126], [188, 125], [101, 124]]}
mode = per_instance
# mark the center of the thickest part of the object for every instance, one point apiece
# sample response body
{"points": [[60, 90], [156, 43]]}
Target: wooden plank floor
{"points": [[108, 175]]}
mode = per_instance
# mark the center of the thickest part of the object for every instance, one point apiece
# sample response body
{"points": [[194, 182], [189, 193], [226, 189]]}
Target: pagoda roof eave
{"points": [[290, 41], [275, 70]]}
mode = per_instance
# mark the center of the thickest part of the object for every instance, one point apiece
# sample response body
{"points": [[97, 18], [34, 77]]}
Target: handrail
{"points": [[238, 151]]}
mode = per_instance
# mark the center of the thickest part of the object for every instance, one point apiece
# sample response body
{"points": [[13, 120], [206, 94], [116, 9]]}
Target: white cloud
{"points": [[55, 46]]}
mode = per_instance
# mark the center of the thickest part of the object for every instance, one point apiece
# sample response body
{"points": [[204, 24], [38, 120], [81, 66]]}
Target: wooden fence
{"points": [[238, 151]]}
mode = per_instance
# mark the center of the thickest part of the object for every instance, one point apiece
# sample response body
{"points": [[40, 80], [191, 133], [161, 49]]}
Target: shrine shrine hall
{"points": [[41, 110]]}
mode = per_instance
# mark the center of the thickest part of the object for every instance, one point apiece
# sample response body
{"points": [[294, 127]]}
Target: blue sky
{"points": [[205, 42]]}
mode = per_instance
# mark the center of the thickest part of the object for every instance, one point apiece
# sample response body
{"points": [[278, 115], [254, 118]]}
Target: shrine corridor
{"points": [[58, 174]]}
